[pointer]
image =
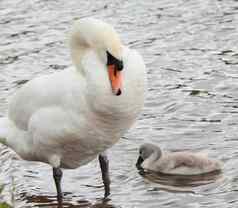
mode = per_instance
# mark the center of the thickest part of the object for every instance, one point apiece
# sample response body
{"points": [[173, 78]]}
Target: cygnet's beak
{"points": [[140, 160]]}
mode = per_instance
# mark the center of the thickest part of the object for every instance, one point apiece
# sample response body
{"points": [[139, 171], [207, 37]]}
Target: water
{"points": [[191, 52]]}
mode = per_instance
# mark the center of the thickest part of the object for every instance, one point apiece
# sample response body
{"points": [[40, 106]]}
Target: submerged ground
{"points": [[191, 52]]}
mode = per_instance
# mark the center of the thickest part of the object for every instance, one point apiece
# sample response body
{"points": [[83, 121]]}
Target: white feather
{"points": [[69, 117]]}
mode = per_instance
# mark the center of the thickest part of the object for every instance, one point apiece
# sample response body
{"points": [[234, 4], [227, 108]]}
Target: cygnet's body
{"points": [[176, 163]]}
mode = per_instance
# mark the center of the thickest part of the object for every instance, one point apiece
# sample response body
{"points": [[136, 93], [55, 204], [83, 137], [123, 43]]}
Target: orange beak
{"points": [[115, 77]]}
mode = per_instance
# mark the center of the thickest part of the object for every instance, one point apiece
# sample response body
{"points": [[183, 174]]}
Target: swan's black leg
{"points": [[104, 164], [57, 174]]}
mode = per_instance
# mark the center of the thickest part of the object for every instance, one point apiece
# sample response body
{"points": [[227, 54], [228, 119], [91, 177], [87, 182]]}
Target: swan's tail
{"points": [[4, 128]]}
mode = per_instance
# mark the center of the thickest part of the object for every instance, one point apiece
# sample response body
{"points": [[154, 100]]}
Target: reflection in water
{"points": [[180, 183], [68, 202]]}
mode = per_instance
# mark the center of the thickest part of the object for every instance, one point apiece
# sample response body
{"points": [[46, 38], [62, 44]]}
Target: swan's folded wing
{"points": [[197, 162], [57, 132], [51, 90], [189, 159]]}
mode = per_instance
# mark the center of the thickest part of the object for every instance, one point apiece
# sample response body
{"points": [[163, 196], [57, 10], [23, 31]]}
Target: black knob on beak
{"points": [[111, 60], [119, 65]]}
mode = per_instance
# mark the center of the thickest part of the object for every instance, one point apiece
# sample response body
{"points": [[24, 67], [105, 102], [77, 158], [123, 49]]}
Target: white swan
{"points": [[68, 118], [177, 163]]}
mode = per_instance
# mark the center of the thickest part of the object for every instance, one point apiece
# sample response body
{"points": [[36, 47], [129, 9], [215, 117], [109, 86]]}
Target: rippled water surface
{"points": [[191, 51]]}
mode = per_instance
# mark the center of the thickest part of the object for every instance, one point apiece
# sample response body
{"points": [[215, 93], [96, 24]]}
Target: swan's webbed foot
{"points": [[57, 174], [104, 164]]}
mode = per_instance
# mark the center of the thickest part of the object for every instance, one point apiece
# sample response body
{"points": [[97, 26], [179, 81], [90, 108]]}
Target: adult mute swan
{"points": [[68, 118], [177, 163]]}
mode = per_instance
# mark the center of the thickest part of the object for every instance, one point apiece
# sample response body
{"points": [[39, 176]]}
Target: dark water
{"points": [[191, 50]]}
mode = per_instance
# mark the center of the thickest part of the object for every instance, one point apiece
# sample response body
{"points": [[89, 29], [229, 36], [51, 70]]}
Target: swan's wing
{"points": [[189, 159], [51, 90], [195, 160], [60, 133], [53, 126], [184, 159]]}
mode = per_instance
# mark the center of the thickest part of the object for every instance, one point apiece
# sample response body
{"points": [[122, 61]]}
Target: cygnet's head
{"points": [[146, 151]]}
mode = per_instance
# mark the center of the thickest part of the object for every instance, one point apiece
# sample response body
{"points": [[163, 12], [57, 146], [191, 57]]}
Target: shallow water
{"points": [[191, 51]]}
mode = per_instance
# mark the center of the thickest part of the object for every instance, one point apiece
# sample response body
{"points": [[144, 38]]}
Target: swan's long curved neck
{"points": [[151, 160], [156, 155], [77, 53]]}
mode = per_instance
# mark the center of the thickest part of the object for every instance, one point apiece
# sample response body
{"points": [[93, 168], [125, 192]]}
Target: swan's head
{"points": [[146, 151], [101, 37]]}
